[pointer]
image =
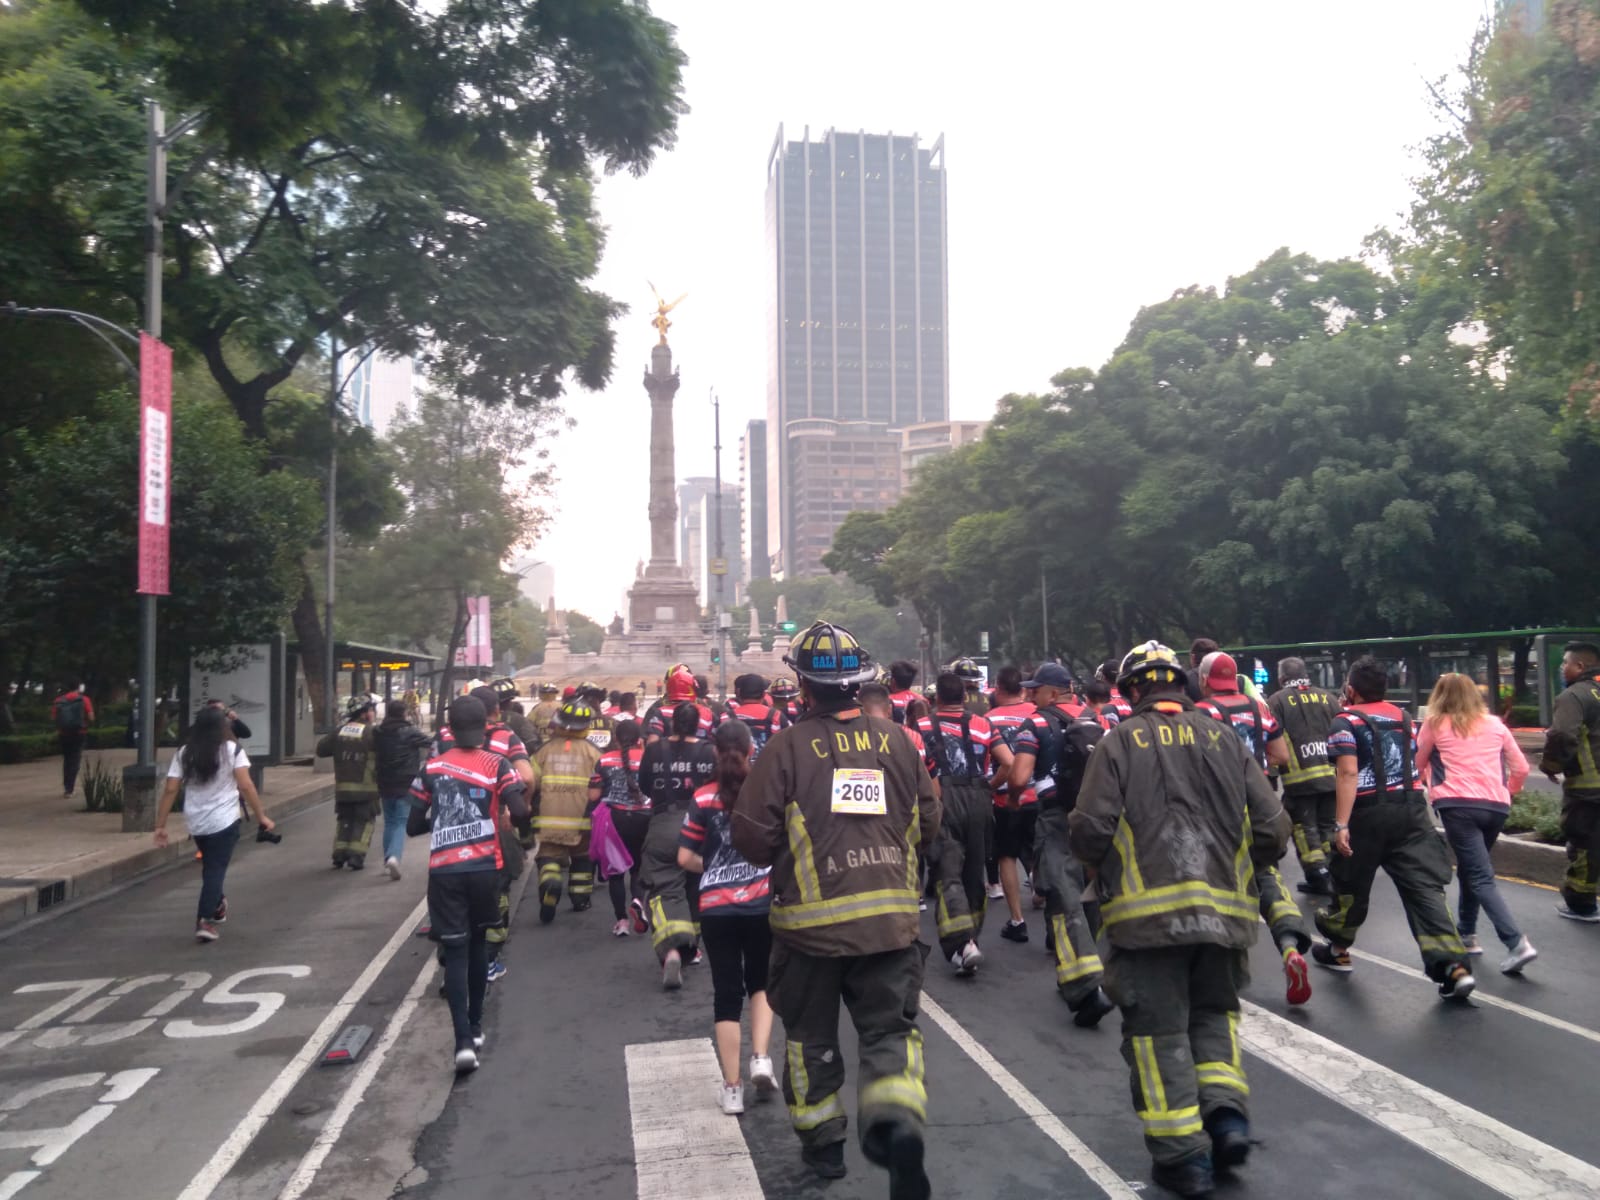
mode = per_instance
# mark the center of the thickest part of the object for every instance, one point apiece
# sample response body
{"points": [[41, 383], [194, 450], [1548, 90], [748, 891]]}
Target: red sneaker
{"points": [[1299, 978]]}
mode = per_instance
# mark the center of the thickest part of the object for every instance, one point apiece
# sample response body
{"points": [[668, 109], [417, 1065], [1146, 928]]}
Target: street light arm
{"points": [[95, 325]]}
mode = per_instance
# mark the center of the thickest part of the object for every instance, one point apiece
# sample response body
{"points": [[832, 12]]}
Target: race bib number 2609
{"points": [[859, 792]]}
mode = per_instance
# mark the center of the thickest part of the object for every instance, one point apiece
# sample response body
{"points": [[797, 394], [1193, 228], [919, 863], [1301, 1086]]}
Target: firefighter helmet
{"points": [[505, 688], [1151, 662], [549, 689], [680, 682], [966, 668], [829, 655], [574, 716], [357, 705], [783, 688]]}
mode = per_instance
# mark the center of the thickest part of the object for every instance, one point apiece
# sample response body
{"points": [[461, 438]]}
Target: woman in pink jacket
{"points": [[1471, 766]]}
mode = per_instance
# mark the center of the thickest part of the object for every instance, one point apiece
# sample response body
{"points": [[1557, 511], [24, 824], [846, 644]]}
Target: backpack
{"points": [[1257, 744], [70, 714], [1075, 741]]}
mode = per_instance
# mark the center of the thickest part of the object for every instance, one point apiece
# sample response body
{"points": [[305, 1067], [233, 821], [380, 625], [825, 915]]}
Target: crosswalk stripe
{"points": [[683, 1147], [1482, 997], [1090, 1163], [1502, 1158]]}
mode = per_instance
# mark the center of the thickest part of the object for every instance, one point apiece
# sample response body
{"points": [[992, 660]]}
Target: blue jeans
{"points": [[216, 852], [395, 811], [1472, 831]]}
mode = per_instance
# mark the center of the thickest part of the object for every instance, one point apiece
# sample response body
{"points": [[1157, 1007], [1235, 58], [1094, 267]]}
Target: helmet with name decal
{"points": [[1151, 662], [829, 655], [680, 682], [574, 716]]}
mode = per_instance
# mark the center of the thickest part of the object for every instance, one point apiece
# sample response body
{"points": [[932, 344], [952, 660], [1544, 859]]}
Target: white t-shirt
{"points": [[211, 807]]}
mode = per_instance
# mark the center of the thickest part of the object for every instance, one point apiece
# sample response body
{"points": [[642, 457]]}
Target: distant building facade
{"points": [[857, 312], [836, 468], [934, 439], [753, 487], [732, 549]]}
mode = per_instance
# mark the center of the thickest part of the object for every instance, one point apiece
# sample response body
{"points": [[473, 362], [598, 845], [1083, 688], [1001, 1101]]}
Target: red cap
{"points": [[568, 692], [1220, 672]]}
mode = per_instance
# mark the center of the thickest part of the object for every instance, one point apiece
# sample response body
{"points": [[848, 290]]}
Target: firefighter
{"points": [[658, 721], [785, 698], [1051, 752], [1571, 749], [1306, 714], [972, 680], [562, 768], [505, 689], [355, 791], [1381, 819], [842, 809], [549, 703], [599, 732], [1170, 811], [1263, 737]]}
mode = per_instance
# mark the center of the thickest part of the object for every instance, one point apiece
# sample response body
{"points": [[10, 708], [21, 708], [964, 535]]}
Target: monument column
{"points": [[661, 381]]}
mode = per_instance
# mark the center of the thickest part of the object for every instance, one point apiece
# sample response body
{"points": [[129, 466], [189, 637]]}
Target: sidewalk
{"points": [[53, 852]]}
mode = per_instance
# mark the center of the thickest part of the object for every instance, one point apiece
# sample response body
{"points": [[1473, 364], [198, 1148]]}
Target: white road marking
{"points": [[333, 1129], [1091, 1164], [1482, 997], [238, 1141], [1500, 1157], [683, 1146]]}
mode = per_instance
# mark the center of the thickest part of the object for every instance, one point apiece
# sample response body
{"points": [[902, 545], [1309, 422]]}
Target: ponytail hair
{"points": [[624, 738], [733, 743]]}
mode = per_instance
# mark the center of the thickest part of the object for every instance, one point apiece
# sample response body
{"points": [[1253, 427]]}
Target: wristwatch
{"points": [[1340, 827]]}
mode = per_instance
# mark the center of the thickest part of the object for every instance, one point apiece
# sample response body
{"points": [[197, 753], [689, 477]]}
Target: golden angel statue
{"points": [[662, 309]]}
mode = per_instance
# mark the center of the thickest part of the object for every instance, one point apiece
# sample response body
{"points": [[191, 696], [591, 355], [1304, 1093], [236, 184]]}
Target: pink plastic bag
{"points": [[606, 847]]}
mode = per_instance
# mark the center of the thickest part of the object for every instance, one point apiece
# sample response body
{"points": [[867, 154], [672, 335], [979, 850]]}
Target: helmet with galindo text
{"points": [[1150, 662], [829, 655]]}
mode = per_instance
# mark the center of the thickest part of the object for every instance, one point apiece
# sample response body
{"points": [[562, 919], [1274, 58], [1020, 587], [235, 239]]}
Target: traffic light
{"points": [[716, 657], [787, 626]]}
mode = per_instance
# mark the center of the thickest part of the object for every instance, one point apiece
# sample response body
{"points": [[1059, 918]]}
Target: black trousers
{"points": [[738, 946], [72, 743], [631, 828]]}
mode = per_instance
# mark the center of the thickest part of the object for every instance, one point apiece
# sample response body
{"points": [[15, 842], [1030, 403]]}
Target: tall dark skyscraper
{"points": [[753, 486], [857, 320]]}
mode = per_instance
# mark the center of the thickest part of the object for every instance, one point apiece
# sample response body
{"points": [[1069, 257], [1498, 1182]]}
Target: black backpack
{"points": [[1076, 739], [71, 716]]}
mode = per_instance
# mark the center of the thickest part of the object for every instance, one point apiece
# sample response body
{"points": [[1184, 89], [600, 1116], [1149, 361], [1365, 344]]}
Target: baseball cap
{"points": [[486, 696], [469, 722], [1051, 675], [568, 692], [1220, 672]]}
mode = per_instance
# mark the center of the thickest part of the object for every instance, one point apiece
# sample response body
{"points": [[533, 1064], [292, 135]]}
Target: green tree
{"points": [[585, 635], [519, 629]]}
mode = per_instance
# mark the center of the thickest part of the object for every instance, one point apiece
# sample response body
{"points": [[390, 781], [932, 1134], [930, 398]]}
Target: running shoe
{"points": [[641, 923], [620, 929], [466, 1060], [1522, 954], [1298, 977], [1335, 960], [1591, 917], [967, 960], [1458, 984], [205, 931], [699, 955], [672, 971], [356, 864], [497, 971], [922, 905], [221, 915], [392, 865], [477, 1037], [1471, 942], [762, 1077], [1015, 931], [732, 1099], [996, 892], [581, 905]]}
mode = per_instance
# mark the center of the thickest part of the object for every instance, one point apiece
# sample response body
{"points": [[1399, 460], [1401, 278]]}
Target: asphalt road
{"points": [[1376, 1087]]}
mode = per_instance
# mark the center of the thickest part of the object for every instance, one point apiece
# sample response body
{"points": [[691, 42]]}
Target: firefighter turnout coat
{"points": [[1176, 816], [840, 806]]}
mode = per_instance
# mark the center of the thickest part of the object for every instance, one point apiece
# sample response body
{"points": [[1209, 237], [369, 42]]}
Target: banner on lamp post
{"points": [[479, 648], [155, 464]]}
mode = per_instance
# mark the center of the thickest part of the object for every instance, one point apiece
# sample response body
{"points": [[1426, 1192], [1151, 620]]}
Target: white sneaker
{"points": [[996, 892], [392, 865], [1572, 914], [733, 1099], [620, 929], [966, 959], [1470, 941], [1522, 954], [761, 1076], [466, 1060]]}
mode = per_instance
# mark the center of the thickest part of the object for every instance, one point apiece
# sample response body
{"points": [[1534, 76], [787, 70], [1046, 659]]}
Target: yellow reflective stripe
{"points": [[1220, 1074], [803, 1115], [550, 871], [1446, 944], [1281, 908], [1577, 878], [578, 823], [1068, 965], [1151, 1087], [1334, 918], [1177, 1122], [913, 835], [948, 925], [551, 777], [905, 1090], [1588, 776], [1176, 897], [1242, 872], [889, 902], [1233, 1039], [661, 929], [1122, 841], [805, 863], [1306, 774]]}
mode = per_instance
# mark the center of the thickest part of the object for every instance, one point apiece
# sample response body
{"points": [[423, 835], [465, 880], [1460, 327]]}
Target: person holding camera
{"points": [[215, 773]]}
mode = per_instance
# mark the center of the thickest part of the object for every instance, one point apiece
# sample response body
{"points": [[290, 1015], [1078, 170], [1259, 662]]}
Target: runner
{"points": [[616, 781], [1015, 814], [670, 773]]}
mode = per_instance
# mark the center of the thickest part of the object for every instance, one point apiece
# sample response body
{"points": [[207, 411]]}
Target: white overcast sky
{"points": [[1100, 156]]}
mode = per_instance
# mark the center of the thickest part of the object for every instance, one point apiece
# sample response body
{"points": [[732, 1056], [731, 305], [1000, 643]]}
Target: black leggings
{"points": [[631, 828], [466, 978], [739, 947]]}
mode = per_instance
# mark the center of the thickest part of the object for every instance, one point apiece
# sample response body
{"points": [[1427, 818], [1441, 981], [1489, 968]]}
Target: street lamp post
{"points": [[721, 563]]}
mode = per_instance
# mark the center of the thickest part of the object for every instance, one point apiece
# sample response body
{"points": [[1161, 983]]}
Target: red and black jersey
{"points": [[762, 719], [501, 741], [1008, 720], [948, 753], [1249, 718], [463, 792], [902, 702], [729, 885], [618, 779], [660, 722]]}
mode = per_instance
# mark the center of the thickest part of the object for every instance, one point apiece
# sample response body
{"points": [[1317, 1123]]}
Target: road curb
{"points": [[1530, 860], [22, 905]]}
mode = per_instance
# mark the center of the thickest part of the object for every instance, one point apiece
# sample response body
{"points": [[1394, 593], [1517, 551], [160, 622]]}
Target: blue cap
{"points": [[1052, 675]]}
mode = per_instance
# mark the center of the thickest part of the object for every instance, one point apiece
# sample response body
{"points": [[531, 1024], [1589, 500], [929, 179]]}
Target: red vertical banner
{"points": [[155, 464]]}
